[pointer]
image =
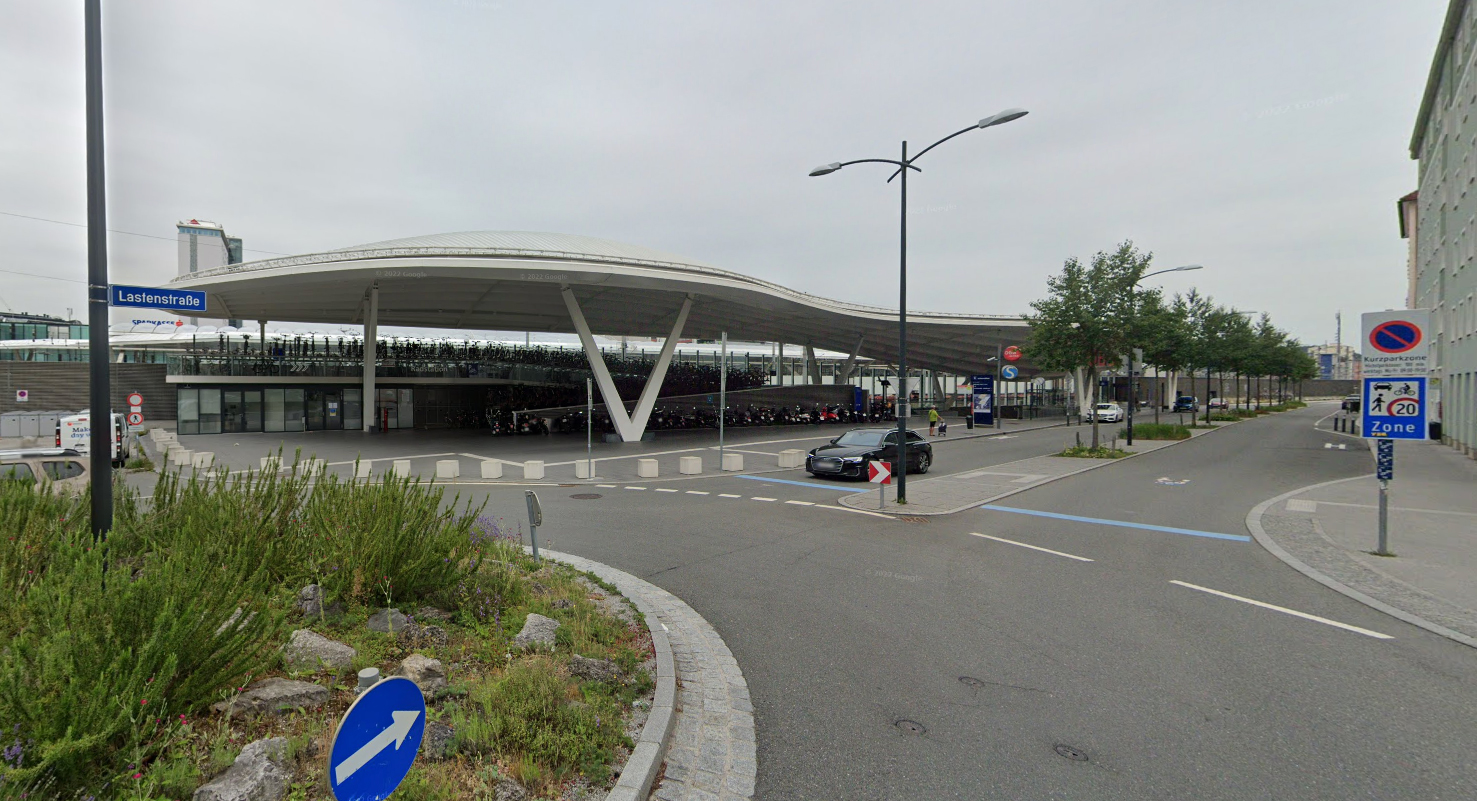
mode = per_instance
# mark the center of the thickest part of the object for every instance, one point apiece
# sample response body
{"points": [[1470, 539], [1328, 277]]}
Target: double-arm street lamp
{"points": [[904, 164], [1131, 401]]}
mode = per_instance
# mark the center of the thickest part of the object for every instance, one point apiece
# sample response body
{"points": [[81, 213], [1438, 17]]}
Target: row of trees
{"points": [[1097, 312]]}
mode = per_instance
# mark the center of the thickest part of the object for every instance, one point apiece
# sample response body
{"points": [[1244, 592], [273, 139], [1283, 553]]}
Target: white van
{"points": [[75, 432]]}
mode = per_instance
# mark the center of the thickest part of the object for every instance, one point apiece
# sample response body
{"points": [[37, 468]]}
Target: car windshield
{"points": [[1105, 405], [861, 438]]}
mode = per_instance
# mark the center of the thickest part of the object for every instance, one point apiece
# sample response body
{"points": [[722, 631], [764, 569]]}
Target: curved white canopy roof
{"points": [[512, 281]]}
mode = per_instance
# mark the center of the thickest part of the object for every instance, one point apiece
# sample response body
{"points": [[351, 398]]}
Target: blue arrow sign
{"points": [[185, 300], [377, 741]]}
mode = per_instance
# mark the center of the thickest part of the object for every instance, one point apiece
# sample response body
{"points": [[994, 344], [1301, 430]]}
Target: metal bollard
{"points": [[368, 677]]}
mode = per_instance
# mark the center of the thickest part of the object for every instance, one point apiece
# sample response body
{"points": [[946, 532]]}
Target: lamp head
{"points": [[1188, 267], [825, 169], [1003, 117]]}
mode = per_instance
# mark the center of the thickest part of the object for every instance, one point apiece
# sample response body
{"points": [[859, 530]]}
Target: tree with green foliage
{"points": [[1087, 320], [1165, 336]]}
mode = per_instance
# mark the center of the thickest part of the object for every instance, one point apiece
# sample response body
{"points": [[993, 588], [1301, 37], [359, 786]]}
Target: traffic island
{"points": [[225, 629]]}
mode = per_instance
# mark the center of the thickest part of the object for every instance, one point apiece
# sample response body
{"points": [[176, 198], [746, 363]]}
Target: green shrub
{"points": [[1100, 452], [1223, 417], [1156, 431]]}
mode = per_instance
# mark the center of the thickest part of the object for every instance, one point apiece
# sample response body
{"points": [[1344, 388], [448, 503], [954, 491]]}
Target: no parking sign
{"points": [[1397, 343]]}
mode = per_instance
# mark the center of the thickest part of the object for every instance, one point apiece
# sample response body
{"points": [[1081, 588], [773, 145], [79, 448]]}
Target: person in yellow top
{"points": [[933, 421]]}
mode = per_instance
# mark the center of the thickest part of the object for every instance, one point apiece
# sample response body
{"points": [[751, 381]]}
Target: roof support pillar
{"points": [[367, 401], [850, 366], [812, 366], [629, 427]]}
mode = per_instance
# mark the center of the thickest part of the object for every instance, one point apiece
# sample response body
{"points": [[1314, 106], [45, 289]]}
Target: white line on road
{"points": [[798, 503], [765, 500], [1286, 611], [1032, 547], [635, 488], [696, 492], [607, 486], [664, 489], [853, 511], [727, 495]]}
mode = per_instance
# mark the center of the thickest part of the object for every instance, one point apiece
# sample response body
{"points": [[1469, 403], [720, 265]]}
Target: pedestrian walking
{"points": [[933, 421]]}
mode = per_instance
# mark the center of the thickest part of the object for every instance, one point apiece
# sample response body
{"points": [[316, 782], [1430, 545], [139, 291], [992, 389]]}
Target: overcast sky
{"points": [[1266, 140]]}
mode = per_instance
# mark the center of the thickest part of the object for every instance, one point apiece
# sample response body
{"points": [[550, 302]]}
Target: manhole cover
{"points": [[586, 496], [911, 727], [912, 519], [971, 681], [1070, 753]]}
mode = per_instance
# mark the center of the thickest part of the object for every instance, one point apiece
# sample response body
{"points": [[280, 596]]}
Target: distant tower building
{"points": [[203, 245]]}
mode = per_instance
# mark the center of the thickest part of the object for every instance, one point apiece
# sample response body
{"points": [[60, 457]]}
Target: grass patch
{"points": [[1100, 452], [1224, 417], [1157, 431], [112, 652]]}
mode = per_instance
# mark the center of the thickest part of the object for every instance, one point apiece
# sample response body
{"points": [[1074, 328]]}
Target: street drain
{"points": [[1070, 753], [912, 519], [971, 681], [586, 496], [910, 727]]}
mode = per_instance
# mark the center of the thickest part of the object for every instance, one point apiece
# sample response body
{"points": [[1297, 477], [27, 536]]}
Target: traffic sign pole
{"points": [[1384, 471]]}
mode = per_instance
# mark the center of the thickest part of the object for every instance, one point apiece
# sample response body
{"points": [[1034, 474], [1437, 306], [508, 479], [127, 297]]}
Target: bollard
{"points": [[584, 468], [690, 465], [793, 457], [492, 468], [733, 462], [448, 468], [203, 459], [533, 469], [401, 467], [368, 677], [361, 470], [646, 468]]}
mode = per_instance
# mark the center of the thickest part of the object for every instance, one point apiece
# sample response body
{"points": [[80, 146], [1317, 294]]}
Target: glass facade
{"points": [[229, 410]]}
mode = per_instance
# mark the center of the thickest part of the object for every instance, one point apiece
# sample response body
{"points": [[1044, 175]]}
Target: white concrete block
{"points": [[271, 463], [533, 469], [180, 456], [203, 459], [690, 465], [401, 467], [794, 457], [584, 468], [361, 470], [733, 461], [448, 468], [646, 468], [492, 469]]}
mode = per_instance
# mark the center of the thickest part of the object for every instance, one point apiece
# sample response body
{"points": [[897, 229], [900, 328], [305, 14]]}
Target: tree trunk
{"points": [[1097, 396]]}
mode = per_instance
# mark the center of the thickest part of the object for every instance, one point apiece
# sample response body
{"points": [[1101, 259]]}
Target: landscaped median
{"points": [[210, 644]]}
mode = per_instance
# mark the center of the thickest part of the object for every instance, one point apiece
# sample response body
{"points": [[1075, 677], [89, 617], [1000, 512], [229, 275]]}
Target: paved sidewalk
{"points": [[959, 491], [1327, 531], [711, 755]]}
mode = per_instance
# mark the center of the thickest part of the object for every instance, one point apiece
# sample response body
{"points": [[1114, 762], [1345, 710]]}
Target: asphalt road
{"points": [[845, 624]]}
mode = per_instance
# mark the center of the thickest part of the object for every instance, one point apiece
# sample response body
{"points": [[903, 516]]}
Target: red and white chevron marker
{"points": [[879, 472]]}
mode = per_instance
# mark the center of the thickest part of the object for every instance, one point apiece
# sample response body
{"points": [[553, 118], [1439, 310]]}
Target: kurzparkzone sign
{"points": [[1396, 343]]}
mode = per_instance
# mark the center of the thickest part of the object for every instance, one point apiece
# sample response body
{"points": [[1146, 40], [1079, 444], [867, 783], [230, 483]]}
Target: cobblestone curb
{"points": [[1325, 564], [701, 726]]}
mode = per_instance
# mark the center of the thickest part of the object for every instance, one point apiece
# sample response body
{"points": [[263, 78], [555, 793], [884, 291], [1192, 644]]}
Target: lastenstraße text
{"points": [[173, 299]]}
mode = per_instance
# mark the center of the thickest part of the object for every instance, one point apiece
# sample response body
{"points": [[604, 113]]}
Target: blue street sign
{"points": [[377, 741], [1010, 372], [1384, 460], [185, 300], [1393, 408], [983, 387]]}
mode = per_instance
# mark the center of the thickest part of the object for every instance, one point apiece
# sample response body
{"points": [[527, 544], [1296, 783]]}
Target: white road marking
{"points": [[797, 503], [1300, 505], [635, 488], [1398, 508], [853, 511], [608, 486], [696, 492], [1032, 547], [664, 489], [727, 495], [1304, 615], [765, 500]]}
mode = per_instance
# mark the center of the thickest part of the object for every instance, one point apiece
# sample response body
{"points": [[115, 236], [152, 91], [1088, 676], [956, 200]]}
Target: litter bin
{"points": [[1435, 429], [969, 422]]}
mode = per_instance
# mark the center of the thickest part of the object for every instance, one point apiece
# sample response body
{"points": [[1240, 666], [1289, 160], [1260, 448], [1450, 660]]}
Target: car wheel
{"points": [[923, 461]]}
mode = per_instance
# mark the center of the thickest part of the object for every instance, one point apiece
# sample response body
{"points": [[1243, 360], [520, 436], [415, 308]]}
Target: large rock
{"points": [[310, 601], [427, 673], [509, 790], [594, 669], [414, 635], [538, 632], [260, 773], [432, 613], [309, 650], [388, 621], [436, 743], [274, 696]]}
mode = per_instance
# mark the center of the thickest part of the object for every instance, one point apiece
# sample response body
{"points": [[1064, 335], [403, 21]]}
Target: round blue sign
{"points": [[377, 741], [1009, 371], [1396, 336]]}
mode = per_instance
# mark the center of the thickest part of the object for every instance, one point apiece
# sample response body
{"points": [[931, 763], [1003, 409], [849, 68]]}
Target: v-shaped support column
{"points": [[630, 427]]}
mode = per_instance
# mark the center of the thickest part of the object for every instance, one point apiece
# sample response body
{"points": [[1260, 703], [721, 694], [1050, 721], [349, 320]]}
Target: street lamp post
{"points": [[904, 164], [1132, 402]]}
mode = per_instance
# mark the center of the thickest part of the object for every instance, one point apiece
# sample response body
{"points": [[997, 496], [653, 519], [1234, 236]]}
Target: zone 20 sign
{"points": [[1394, 408]]}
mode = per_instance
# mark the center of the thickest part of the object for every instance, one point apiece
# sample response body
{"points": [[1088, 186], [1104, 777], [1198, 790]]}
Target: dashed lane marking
{"points": [[1032, 547], [608, 486], [635, 488], [664, 489], [696, 492], [812, 484], [728, 495], [765, 500], [801, 503], [1284, 610]]}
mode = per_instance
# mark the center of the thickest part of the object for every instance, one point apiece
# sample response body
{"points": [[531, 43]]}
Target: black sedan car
{"points": [[848, 454]]}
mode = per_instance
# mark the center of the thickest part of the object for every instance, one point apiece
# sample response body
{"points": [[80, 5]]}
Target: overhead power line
{"points": [[116, 231]]}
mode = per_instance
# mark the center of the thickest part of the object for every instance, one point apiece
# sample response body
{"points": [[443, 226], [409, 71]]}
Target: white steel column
{"points": [[629, 427], [812, 366], [371, 332], [846, 371]]}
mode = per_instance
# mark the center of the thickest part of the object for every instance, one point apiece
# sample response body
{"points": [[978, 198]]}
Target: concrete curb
{"points": [[1259, 533], [649, 755], [1100, 463]]}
